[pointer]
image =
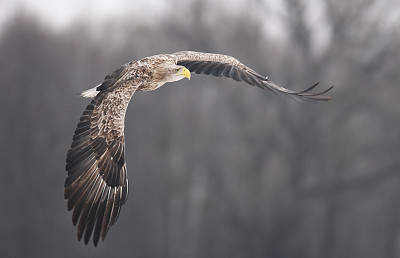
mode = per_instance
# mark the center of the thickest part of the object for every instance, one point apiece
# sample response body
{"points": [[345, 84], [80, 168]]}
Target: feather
{"points": [[90, 93], [94, 165]]}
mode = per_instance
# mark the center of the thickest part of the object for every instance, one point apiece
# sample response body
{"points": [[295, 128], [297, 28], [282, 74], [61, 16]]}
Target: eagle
{"points": [[96, 186]]}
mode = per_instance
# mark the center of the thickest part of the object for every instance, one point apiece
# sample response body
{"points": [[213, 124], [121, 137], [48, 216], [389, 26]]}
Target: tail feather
{"points": [[90, 93]]}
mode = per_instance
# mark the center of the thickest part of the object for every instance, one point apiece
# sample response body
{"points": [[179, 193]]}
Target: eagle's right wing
{"points": [[97, 182]]}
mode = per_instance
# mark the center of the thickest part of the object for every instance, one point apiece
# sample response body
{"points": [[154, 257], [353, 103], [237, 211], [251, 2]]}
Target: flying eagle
{"points": [[97, 182]]}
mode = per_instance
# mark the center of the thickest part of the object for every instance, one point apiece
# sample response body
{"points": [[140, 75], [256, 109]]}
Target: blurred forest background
{"points": [[216, 168]]}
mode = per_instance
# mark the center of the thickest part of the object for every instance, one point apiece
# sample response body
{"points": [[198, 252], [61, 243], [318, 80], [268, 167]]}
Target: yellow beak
{"points": [[185, 73]]}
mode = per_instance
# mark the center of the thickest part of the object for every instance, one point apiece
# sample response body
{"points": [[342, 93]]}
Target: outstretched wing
{"points": [[223, 65], [97, 182]]}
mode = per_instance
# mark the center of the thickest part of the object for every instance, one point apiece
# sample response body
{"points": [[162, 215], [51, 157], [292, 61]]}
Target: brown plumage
{"points": [[97, 182]]}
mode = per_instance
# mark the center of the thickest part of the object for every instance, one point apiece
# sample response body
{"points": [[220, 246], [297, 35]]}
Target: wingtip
{"points": [[309, 88], [316, 96], [95, 241]]}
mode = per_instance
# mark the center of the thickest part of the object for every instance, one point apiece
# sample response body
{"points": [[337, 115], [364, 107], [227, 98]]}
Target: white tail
{"points": [[90, 93]]}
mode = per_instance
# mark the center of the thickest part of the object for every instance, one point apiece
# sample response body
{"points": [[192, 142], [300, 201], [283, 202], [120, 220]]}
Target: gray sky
{"points": [[62, 12]]}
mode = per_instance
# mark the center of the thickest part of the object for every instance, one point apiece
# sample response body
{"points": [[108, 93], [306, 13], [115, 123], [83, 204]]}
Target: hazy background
{"points": [[216, 168]]}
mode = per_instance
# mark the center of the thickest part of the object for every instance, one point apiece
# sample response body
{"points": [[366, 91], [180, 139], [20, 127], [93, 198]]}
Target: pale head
{"points": [[171, 73]]}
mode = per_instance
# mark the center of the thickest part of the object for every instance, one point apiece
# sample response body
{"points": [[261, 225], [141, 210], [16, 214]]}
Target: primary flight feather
{"points": [[97, 183]]}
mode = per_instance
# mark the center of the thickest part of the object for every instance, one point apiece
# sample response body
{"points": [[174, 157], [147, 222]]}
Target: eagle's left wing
{"points": [[223, 65]]}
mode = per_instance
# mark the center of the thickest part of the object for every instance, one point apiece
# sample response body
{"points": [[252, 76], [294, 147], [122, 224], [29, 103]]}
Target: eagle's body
{"points": [[97, 182]]}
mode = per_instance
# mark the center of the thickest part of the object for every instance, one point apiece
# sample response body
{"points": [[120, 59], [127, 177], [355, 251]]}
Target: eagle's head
{"points": [[171, 73]]}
